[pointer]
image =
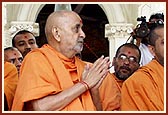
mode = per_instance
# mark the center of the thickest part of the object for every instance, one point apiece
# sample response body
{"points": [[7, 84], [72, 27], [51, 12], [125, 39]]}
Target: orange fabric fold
{"points": [[52, 78], [144, 90], [110, 94], [10, 82]]}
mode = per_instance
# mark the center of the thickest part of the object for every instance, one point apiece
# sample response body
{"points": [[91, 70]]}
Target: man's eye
{"points": [[123, 57], [32, 42], [77, 27], [21, 44], [20, 60], [12, 61], [132, 59]]}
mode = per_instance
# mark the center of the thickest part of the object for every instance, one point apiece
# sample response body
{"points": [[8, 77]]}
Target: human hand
{"points": [[94, 75]]}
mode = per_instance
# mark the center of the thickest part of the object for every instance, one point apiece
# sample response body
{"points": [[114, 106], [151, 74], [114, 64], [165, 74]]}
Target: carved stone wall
{"points": [[16, 26]]}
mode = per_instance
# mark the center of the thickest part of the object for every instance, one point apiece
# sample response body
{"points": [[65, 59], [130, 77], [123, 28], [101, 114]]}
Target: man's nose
{"points": [[27, 46], [126, 61], [82, 34]]}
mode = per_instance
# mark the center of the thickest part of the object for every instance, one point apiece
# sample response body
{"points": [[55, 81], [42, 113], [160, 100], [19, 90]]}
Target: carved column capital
{"points": [[118, 30], [16, 26]]}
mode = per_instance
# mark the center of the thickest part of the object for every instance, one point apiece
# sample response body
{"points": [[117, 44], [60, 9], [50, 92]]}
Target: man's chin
{"points": [[123, 77], [78, 50]]}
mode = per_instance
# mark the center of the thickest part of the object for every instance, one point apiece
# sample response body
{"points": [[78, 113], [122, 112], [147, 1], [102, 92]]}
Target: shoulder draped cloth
{"points": [[10, 82], [43, 73], [110, 94], [144, 90]]}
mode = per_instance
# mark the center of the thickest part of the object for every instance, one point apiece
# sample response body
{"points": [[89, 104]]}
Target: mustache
{"points": [[125, 67], [80, 40]]}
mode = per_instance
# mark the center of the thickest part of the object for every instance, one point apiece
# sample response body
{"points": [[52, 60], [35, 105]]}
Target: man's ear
{"points": [[55, 32], [114, 59], [151, 49]]}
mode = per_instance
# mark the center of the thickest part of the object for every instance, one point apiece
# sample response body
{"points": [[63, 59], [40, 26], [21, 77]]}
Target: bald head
{"points": [[10, 51], [58, 19], [64, 32], [13, 56]]}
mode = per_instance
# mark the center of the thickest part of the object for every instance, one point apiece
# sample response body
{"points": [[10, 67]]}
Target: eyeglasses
{"points": [[154, 24], [131, 59]]}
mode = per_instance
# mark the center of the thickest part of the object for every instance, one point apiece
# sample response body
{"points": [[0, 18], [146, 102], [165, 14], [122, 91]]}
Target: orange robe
{"points": [[45, 72], [110, 94], [144, 90], [10, 82]]}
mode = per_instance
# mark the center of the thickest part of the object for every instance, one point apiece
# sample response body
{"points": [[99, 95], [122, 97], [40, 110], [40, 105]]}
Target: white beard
{"points": [[78, 48]]}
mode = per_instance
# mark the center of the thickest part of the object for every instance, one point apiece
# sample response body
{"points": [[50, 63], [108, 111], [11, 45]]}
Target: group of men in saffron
{"points": [[52, 78]]}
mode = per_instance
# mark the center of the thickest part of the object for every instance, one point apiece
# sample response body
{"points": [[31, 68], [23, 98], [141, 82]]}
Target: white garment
{"points": [[146, 56]]}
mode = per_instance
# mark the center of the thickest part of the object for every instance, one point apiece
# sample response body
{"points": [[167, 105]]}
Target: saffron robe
{"points": [[53, 78], [110, 94], [10, 82], [144, 90], [44, 72]]}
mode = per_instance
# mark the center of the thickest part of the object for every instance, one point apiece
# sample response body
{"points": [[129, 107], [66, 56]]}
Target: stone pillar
{"points": [[62, 7], [117, 34], [16, 26]]}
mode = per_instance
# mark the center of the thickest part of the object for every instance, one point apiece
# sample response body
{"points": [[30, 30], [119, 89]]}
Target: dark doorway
{"points": [[94, 21]]}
